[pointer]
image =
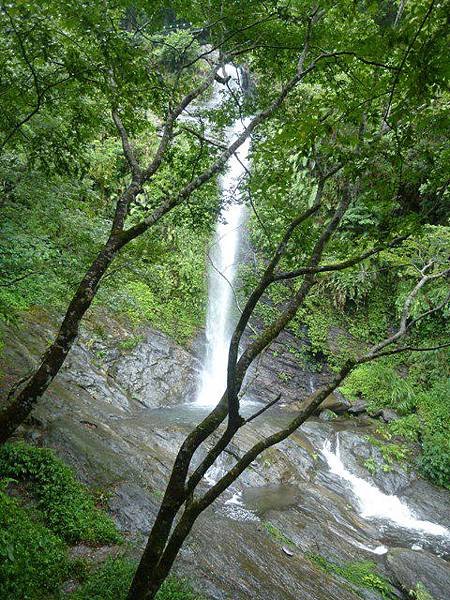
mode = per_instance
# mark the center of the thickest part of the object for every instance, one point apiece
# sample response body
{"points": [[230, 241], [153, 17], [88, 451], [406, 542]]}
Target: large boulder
{"points": [[336, 402], [410, 567], [388, 415], [358, 408], [327, 415]]}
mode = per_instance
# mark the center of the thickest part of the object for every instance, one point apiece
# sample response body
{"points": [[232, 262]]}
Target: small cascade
{"points": [[312, 387], [223, 256], [373, 503], [215, 472], [235, 509]]}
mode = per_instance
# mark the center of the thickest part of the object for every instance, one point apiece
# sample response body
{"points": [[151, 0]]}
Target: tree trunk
{"points": [[151, 572], [19, 407]]}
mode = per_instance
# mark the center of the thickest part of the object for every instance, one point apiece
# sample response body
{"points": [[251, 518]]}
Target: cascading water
{"points": [[221, 316], [373, 503], [223, 256]]}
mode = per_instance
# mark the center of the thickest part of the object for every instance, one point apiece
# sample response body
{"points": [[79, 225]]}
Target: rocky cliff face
{"points": [[118, 412]]}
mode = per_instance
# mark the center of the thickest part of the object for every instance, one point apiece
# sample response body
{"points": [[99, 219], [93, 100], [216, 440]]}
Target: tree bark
{"points": [[151, 572], [22, 402]]}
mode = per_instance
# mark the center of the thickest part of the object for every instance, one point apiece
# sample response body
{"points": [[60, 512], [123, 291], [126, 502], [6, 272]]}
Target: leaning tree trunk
{"points": [[158, 558], [21, 403]]}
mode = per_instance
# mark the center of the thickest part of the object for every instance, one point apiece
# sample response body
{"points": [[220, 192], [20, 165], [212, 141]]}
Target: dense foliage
{"points": [[65, 505], [33, 559], [112, 580], [52, 225]]}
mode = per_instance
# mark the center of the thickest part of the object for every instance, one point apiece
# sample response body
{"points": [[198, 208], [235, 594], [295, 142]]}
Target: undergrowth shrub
{"points": [[66, 506], [112, 580], [33, 560], [423, 404]]}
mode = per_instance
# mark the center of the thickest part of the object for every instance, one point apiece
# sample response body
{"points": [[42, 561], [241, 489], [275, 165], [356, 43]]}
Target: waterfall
{"points": [[373, 503], [223, 256]]}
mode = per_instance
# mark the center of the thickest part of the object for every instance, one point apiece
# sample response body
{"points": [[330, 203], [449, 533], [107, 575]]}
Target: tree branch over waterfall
{"points": [[19, 408], [158, 557]]}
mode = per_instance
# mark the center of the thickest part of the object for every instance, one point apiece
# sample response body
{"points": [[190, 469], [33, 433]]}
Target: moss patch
{"points": [[361, 574], [277, 535]]}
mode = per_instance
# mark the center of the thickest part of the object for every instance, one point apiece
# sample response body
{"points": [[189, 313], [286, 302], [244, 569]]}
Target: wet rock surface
{"points": [[118, 416], [411, 568]]}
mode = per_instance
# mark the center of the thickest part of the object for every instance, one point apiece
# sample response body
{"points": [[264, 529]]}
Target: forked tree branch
{"points": [[160, 554], [238, 368], [318, 397], [338, 266], [126, 145]]}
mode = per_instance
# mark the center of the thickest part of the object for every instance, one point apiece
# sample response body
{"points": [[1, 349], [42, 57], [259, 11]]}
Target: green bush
{"points": [[390, 453], [435, 460], [420, 592], [33, 560], [112, 581], [422, 397], [407, 427], [67, 507], [380, 384]]}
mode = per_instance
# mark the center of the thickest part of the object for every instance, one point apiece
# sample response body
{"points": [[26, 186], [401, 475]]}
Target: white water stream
{"points": [[223, 257], [373, 503]]}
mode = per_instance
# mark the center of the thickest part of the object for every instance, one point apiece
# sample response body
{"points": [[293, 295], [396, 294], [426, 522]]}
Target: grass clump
{"points": [[420, 592], [277, 535], [130, 343], [112, 580], [33, 560], [175, 588], [391, 453], [361, 574], [66, 506]]}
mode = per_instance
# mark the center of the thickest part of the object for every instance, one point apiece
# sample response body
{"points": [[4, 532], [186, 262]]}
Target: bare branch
{"points": [[263, 409], [228, 38], [20, 278], [40, 91], [192, 186], [252, 204], [257, 293], [170, 122], [407, 349], [315, 400], [404, 325], [201, 137], [404, 59]]}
